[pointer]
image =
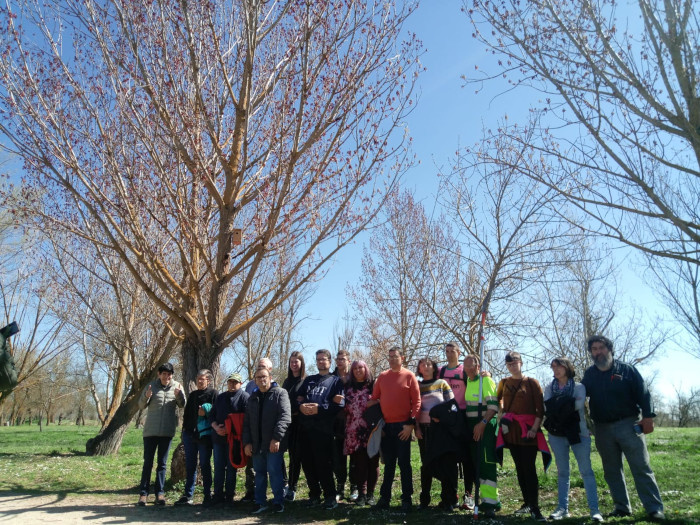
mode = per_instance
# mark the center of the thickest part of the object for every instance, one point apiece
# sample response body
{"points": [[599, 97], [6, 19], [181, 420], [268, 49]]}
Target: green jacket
{"points": [[161, 418]]}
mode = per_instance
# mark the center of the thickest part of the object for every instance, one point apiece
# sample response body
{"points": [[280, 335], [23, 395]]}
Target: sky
{"points": [[448, 116]]}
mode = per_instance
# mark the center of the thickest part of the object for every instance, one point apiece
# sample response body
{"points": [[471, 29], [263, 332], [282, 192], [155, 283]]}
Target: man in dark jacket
{"points": [[318, 408], [233, 401], [618, 395], [268, 416]]}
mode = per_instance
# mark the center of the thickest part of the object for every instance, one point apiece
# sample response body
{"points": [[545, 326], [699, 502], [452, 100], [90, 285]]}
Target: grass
{"points": [[53, 462]]}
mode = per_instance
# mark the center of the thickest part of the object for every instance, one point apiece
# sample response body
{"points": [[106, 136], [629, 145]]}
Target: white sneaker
{"points": [[559, 514], [467, 502], [597, 517]]}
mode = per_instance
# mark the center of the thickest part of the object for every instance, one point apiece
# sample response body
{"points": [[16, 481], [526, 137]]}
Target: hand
{"points": [[485, 373], [201, 411], [149, 392], [647, 424], [177, 392], [309, 409], [219, 429], [419, 434], [532, 433], [405, 434], [274, 446], [248, 450], [479, 431], [337, 399]]}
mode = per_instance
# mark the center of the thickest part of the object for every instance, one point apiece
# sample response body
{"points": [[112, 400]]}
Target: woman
{"points": [[521, 402], [162, 397], [364, 470], [296, 373], [433, 391], [197, 446], [566, 424]]}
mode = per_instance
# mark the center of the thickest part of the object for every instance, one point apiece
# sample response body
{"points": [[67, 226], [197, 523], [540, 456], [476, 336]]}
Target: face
{"points": [[514, 367], [262, 379], [601, 355], [426, 369], [323, 363], [165, 377], [451, 353], [232, 385], [395, 359], [295, 364], [359, 373], [342, 362], [470, 367], [202, 382], [558, 370]]}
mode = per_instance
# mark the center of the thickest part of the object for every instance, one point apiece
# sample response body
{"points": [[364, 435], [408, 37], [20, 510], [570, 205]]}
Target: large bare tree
{"points": [[618, 113], [170, 127]]}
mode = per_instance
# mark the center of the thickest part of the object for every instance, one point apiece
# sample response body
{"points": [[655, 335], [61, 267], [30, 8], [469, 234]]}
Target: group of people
{"points": [[460, 417]]}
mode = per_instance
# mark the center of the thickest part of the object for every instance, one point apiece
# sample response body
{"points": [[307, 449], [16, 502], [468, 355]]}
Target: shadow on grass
{"points": [[73, 508]]}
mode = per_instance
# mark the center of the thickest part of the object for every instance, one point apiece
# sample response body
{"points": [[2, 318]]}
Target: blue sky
{"points": [[447, 116]]}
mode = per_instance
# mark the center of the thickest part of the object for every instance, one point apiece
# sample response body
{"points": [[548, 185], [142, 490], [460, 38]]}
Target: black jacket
{"points": [[267, 417]]}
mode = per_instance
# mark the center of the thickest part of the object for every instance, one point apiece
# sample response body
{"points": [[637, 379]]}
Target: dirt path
{"points": [[57, 508]]}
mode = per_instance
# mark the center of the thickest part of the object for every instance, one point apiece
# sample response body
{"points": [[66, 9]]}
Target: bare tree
{"points": [[171, 128], [685, 409], [619, 117]]}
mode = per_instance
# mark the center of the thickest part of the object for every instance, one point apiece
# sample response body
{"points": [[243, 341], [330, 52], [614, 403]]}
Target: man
{"points": [[398, 394], [617, 395], [483, 429], [453, 373], [263, 364], [318, 407], [233, 401], [340, 460], [267, 418]]}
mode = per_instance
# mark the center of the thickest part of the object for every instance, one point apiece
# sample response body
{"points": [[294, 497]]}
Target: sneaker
{"points": [[354, 495], [361, 500], [522, 511], [536, 515], [488, 513], [312, 502], [381, 504], [657, 515], [259, 509], [559, 514], [619, 513], [291, 495], [142, 501], [340, 495], [371, 501], [467, 502], [445, 507], [597, 517], [278, 507], [248, 498], [184, 500], [330, 503], [160, 500], [406, 506]]}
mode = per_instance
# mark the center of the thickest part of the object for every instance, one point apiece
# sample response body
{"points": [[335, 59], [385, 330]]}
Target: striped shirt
{"points": [[432, 393]]}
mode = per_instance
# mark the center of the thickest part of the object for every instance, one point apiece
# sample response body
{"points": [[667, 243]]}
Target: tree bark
{"points": [[109, 440]]}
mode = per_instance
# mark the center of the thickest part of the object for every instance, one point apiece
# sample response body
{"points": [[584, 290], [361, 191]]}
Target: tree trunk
{"points": [[196, 356], [109, 440]]}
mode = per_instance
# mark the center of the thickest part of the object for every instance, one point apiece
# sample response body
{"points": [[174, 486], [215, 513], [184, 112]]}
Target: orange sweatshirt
{"points": [[398, 394]]}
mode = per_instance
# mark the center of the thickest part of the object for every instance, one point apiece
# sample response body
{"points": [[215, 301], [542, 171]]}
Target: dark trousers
{"points": [[393, 450], [340, 462], [317, 461], [194, 450], [443, 468], [224, 473], [364, 471], [150, 445], [524, 458]]}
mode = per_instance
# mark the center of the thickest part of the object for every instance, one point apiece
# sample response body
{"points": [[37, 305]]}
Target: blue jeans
{"points": [[582, 452], [393, 450], [224, 473], [265, 463], [194, 448], [615, 439], [150, 445]]}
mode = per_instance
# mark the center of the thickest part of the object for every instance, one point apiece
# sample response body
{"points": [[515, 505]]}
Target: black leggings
{"points": [[524, 458]]}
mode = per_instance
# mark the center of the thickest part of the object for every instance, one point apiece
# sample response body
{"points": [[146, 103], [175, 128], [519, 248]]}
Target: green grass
{"points": [[53, 462]]}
